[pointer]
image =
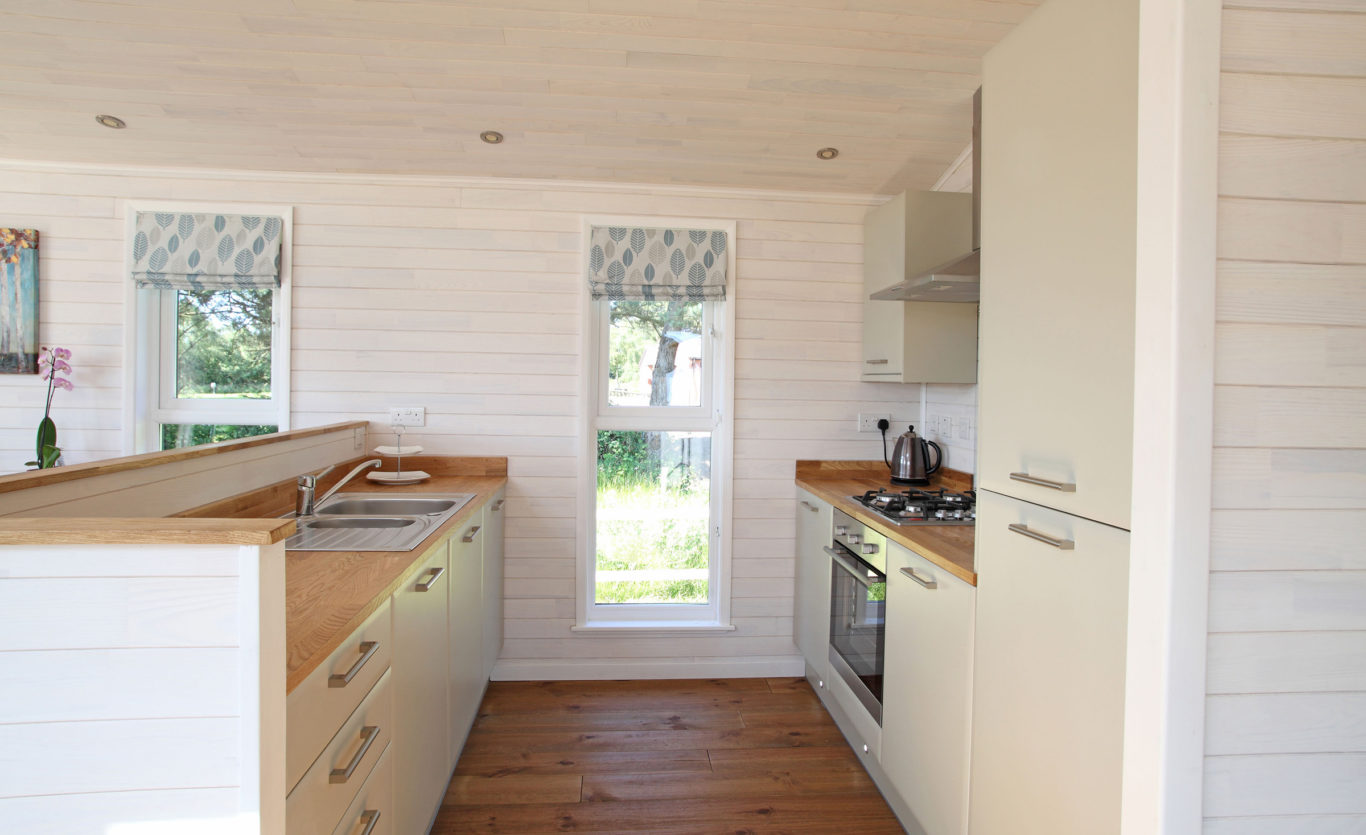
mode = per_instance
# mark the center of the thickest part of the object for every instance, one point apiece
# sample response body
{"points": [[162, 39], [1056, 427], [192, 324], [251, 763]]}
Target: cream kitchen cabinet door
{"points": [[1048, 677], [466, 590], [927, 690], [811, 609], [916, 342], [1059, 219], [422, 757], [494, 514]]}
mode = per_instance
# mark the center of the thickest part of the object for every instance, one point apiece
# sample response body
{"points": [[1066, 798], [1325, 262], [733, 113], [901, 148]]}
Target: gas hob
{"points": [[921, 507]]}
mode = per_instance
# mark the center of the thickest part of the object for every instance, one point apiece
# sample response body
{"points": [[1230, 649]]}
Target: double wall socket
{"points": [[408, 416], [868, 422]]}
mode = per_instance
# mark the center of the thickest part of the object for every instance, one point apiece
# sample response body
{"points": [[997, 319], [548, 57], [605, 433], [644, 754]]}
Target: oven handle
{"points": [[858, 572]]}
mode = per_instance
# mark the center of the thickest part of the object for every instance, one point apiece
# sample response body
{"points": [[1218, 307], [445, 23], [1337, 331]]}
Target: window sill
{"points": [[651, 627]]}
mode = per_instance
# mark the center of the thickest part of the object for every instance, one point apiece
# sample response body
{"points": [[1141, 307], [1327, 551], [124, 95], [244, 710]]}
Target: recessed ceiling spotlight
{"points": [[111, 121], [827, 153], [492, 137]]}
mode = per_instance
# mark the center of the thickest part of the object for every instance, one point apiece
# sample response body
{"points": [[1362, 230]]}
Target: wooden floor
{"points": [[705, 756]]}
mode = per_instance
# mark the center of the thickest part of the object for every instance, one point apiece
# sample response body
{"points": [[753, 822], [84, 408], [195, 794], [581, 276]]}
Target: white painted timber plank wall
{"points": [[142, 689], [1284, 746], [462, 296]]}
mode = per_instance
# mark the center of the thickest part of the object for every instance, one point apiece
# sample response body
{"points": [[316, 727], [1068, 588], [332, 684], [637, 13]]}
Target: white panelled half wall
{"points": [[463, 297]]}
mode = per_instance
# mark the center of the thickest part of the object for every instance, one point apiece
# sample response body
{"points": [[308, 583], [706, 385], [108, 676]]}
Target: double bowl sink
{"points": [[367, 522]]}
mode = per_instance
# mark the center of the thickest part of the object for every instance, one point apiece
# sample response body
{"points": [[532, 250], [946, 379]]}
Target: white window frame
{"points": [[149, 343], [714, 415]]}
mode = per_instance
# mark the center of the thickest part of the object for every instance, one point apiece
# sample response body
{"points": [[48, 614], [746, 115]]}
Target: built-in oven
{"points": [[858, 608]]}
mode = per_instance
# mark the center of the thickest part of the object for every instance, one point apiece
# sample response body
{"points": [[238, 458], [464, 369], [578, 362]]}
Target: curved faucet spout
{"points": [[308, 483]]}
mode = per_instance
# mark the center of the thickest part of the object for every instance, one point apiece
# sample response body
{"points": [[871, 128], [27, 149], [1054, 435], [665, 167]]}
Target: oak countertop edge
{"points": [[67, 530], [937, 544]]}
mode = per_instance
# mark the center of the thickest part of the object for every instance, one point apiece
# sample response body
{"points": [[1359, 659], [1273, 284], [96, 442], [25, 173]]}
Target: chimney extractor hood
{"points": [[958, 279]]}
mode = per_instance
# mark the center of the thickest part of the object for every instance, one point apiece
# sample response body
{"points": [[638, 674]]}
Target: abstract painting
{"points": [[18, 301]]}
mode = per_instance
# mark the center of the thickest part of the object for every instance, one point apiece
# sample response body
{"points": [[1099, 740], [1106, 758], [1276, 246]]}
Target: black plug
{"points": [[883, 424]]}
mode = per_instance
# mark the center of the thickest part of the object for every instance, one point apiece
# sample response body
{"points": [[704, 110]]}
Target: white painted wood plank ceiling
{"points": [[699, 92]]}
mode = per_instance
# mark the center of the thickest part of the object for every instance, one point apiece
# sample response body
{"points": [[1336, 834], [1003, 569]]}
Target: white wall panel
{"points": [[1285, 745]]}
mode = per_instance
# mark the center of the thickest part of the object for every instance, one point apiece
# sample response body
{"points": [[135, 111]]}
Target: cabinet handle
{"points": [[368, 735], [426, 585], [497, 506], [1060, 486], [809, 506], [914, 575], [1060, 544], [471, 534], [370, 818], [876, 362], [367, 649]]}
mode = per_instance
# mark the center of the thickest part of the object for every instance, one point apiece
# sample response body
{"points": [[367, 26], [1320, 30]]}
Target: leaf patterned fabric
{"points": [[636, 264], [206, 252]]}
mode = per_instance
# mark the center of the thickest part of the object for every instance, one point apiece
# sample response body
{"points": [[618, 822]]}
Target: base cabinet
{"points": [[1048, 705], [811, 610], [466, 590], [421, 681], [927, 690], [494, 514]]}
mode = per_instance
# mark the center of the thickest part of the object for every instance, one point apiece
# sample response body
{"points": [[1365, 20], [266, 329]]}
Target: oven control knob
{"points": [[841, 530], [855, 539], [869, 548]]}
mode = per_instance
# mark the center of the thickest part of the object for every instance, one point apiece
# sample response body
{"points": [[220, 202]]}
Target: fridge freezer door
{"points": [[1048, 673]]}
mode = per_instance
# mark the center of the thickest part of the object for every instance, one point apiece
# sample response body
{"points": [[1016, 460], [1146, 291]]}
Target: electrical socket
{"points": [[408, 416], [358, 439], [962, 428], [868, 422], [945, 427]]}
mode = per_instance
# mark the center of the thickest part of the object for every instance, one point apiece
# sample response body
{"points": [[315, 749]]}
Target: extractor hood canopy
{"points": [[956, 280]]}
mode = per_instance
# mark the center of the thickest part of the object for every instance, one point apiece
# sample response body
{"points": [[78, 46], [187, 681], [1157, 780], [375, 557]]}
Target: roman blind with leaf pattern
{"points": [[197, 252], [643, 264]]}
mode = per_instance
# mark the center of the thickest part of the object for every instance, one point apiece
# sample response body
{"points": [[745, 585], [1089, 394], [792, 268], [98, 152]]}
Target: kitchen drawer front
{"points": [[314, 709], [317, 803], [372, 812]]}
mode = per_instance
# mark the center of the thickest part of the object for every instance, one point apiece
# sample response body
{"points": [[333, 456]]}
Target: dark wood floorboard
{"points": [[733, 756]]}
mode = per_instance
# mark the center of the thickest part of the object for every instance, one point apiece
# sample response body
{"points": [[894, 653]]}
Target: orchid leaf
{"points": [[47, 436]]}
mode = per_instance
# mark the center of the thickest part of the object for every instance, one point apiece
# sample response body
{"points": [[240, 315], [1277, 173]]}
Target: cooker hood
{"points": [[958, 279]]}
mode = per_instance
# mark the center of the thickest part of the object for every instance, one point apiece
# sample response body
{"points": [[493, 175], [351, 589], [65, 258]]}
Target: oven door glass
{"points": [[858, 601]]}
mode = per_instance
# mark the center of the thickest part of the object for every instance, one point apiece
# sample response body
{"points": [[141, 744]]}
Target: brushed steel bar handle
{"points": [[876, 362], [367, 650], [1060, 486], [426, 585], [915, 575], [370, 818], [1060, 544], [368, 735], [809, 506], [471, 534], [498, 505]]}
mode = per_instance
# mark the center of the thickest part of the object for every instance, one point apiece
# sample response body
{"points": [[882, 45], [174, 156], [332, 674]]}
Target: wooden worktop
{"points": [[66, 530], [948, 546], [328, 594]]}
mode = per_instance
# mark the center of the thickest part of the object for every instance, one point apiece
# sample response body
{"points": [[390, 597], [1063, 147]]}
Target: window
{"points": [[657, 479], [211, 351]]}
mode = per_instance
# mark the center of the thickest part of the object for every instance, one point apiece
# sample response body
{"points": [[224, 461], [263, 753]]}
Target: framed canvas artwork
{"points": [[18, 301]]}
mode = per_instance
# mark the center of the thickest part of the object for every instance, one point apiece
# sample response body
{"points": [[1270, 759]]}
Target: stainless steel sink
{"points": [[366, 522], [386, 506]]}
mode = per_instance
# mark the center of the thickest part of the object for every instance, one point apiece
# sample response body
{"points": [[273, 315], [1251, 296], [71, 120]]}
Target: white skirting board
{"points": [[774, 666]]}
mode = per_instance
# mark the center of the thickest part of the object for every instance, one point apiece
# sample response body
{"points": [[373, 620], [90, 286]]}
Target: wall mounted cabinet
{"points": [[917, 342]]}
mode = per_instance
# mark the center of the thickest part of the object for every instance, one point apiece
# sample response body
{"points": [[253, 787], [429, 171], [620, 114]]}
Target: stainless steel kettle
{"points": [[911, 458]]}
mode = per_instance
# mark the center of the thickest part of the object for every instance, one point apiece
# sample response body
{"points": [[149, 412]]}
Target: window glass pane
{"points": [[177, 435], [222, 347], [655, 354], [653, 515]]}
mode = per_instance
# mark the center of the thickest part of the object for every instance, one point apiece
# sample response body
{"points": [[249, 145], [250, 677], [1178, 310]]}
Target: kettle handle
{"points": [[938, 457]]}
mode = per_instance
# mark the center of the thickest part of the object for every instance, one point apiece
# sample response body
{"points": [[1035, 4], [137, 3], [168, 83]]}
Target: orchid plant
{"points": [[52, 363]]}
